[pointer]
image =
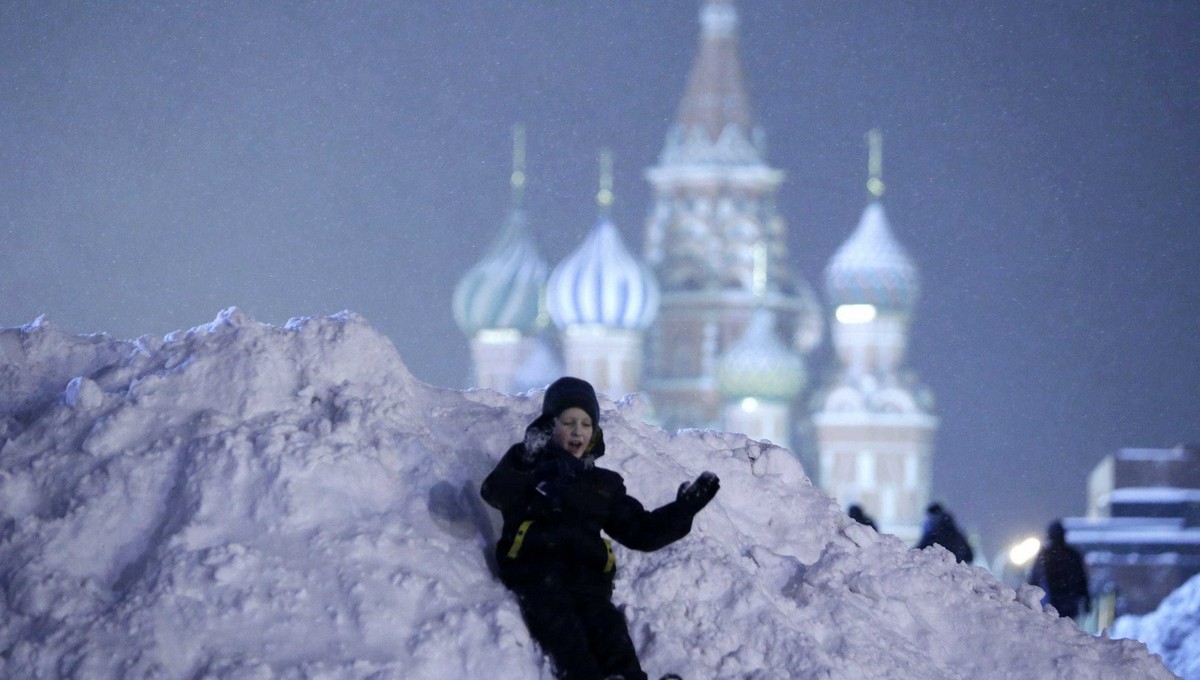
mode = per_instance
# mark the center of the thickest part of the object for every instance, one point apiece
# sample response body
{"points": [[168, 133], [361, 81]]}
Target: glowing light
{"points": [[760, 269], [1022, 552], [498, 336], [855, 313], [749, 404]]}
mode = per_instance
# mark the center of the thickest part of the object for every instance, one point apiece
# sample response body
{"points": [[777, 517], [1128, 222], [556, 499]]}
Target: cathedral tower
{"points": [[602, 299], [874, 422], [498, 302], [714, 205]]}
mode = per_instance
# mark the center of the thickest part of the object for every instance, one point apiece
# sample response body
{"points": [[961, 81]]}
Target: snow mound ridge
{"points": [[248, 501], [1171, 631]]}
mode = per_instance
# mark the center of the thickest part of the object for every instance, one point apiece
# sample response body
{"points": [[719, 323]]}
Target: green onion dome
{"points": [[504, 289], [760, 365]]}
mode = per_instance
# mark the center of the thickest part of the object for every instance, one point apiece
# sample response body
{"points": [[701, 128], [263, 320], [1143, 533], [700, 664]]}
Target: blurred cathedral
{"points": [[711, 324]]}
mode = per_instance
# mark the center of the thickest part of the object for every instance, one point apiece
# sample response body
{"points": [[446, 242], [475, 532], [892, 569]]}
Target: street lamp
{"points": [[1016, 555], [1021, 553]]}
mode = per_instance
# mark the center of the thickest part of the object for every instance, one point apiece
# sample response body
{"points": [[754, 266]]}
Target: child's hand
{"points": [[695, 495], [535, 442]]}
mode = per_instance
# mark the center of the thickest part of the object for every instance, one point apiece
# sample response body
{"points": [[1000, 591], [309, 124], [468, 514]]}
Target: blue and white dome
{"points": [[871, 267], [601, 284], [760, 365], [504, 290]]}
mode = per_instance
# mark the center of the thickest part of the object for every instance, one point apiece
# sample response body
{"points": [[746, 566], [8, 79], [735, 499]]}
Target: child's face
{"points": [[573, 431]]}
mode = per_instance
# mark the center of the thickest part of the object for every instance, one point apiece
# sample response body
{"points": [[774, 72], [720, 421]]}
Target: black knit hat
{"points": [[568, 392]]}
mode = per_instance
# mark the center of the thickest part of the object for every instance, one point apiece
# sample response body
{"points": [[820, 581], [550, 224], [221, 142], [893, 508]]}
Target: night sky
{"points": [[163, 161]]}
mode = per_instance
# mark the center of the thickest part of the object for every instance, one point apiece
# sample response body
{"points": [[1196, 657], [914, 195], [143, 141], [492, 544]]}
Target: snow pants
{"points": [[584, 634]]}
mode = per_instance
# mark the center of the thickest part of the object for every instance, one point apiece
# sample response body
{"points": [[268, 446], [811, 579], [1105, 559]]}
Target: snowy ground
{"points": [[1172, 630], [249, 501]]}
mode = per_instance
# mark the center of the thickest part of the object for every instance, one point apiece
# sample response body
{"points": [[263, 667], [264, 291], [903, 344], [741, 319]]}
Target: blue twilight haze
{"points": [[163, 161]]}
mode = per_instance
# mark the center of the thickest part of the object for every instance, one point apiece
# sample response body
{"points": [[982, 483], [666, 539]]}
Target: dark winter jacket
{"points": [[1059, 570], [555, 506], [940, 529]]}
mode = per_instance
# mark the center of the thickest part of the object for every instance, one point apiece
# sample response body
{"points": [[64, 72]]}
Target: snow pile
{"points": [[1171, 631], [248, 501]]}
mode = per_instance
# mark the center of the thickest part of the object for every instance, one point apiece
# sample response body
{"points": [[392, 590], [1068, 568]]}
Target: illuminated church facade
{"points": [[710, 323]]}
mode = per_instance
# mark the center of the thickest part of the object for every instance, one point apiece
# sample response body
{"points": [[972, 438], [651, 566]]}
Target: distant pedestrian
{"points": [[940, 529], [859, 515], [1059, 570]]}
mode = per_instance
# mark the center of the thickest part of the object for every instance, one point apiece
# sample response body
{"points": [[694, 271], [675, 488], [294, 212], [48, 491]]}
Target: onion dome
{"points": [[871, 267], [504, 289], [760, 365], [602, 284]]}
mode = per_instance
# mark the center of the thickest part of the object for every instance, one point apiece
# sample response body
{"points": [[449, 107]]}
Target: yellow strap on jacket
{"points": [[519, 539], [515, 549]]}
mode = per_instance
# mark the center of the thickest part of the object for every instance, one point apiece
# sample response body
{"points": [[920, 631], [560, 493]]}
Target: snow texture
{"points": [[243, 500], [1171, 631]]}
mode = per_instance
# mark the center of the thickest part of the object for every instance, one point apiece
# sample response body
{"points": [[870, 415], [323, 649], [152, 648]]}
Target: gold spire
{"points": [[604, 197], [875, 162], [518, 173]]}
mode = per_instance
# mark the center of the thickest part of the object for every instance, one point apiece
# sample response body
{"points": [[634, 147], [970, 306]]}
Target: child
{"points": [[555, 502]]}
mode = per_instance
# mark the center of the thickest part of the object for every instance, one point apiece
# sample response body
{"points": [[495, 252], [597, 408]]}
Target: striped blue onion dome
{"points": [[760, 365], [504, 289], [601, 284], [871, 267]]}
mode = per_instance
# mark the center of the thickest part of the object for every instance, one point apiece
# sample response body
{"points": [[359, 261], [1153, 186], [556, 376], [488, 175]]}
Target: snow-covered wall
{"points": [[249, 501]]}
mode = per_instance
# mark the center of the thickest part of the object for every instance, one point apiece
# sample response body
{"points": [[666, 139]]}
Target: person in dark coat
{"points": [[555, 502], [859, 515], [940, 529], [1059, 570]]}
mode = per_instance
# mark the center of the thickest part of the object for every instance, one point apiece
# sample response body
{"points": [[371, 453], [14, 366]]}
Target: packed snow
{"points": [[243, 500], [1171, 631]]}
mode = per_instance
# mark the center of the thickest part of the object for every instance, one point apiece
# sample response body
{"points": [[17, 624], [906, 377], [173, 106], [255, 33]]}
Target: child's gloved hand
{"points": [[695, 495], [534, 443]]}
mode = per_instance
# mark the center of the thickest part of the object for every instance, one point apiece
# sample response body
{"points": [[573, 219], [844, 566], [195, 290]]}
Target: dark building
{"points": [[1141, 535]]}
